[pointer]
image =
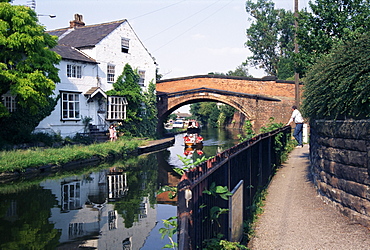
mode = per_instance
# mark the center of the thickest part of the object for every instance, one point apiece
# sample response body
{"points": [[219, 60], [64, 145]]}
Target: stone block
{"points": [[353, 188], [334, 194], [333, 181]]}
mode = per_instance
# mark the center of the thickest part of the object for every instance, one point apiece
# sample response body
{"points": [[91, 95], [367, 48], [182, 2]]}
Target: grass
{"points": [[19, 160]]}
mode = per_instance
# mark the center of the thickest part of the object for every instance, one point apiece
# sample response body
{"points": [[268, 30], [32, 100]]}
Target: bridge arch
{"points": [[246, 110], [257, 99]]}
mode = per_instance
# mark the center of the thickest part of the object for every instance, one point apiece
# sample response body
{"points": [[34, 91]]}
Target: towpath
{"points": [[295, 217]]}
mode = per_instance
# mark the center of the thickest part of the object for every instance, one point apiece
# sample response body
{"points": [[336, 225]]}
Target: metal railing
{"points": [[251, 163]]}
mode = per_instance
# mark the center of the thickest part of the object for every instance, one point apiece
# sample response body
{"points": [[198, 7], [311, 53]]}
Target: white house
{"points": [[93, 56]]}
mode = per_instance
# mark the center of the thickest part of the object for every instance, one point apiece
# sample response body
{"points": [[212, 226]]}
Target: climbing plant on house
{"points": [[141, 109]]}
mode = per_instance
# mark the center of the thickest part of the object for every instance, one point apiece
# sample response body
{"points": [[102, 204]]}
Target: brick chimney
{"points": [[78, 22]]}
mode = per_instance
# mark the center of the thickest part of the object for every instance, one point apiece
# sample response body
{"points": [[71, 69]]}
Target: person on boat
{"points": [[199, 139], [200, 152]]}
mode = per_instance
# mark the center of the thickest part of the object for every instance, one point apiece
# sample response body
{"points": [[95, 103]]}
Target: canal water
{"points": [[111, 206]]}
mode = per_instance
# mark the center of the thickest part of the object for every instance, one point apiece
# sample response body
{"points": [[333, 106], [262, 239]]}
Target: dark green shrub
{"points": [[338, 85]]}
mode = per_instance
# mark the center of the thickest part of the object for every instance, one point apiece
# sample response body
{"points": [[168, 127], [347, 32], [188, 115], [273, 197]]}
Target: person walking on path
{"points": [[298, 130], [295, 217]]}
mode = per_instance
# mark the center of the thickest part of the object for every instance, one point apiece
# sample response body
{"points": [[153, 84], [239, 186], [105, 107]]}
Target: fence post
{"points": [[184, 218]]}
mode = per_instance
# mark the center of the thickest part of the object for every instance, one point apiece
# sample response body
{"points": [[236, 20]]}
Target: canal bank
{"points": [[45, 170]]}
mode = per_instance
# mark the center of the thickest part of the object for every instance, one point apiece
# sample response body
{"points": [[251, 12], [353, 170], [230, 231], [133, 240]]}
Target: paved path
{"points": [[295, 217]]}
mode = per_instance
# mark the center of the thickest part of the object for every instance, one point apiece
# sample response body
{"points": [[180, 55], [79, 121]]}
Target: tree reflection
{"points": [[142, 182], [24, 220]]}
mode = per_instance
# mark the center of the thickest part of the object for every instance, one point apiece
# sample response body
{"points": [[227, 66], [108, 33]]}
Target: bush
{"points": [[338, 86]]}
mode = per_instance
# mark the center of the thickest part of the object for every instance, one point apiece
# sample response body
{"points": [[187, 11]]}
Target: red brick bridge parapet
{"points": [[258, 99]]}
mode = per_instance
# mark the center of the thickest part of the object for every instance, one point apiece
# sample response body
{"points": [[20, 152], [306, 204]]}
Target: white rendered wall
{"points": [[108, 51]]}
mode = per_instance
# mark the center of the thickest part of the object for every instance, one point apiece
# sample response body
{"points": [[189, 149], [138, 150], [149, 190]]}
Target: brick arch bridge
{"points": [[258, 99]]}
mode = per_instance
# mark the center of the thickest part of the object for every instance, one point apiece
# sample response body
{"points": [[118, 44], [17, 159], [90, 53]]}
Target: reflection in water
{"points": [[24, 220], [115, 207]]}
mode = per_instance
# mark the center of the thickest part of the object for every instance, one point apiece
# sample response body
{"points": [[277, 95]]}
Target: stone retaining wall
{"points": [[340, 164]]}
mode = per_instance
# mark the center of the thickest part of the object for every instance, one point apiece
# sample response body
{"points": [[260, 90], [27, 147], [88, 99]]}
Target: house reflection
{"points": [[86, 212]]}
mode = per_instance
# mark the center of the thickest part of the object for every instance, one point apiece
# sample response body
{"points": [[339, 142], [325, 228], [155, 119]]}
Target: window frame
{"points": [[74, 71], [125, 45], [111, 72], [141, 78], [116, 108], [9, 102], [70, 107]]}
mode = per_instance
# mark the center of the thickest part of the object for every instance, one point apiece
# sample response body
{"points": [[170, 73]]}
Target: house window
{"points": [[141, 78], [70, 106], [73, 71], [125, 45], [10, 102], [116, 108], [110, 73]]}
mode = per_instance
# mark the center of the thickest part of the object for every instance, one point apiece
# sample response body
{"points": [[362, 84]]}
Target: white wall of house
{"points": [[107, 52]]}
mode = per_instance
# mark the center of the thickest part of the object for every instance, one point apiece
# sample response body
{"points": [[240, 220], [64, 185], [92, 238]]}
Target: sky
{"points": [[186, 37]]}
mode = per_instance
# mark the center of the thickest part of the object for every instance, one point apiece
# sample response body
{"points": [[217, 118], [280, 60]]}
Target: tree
{"points": [[226, 115], [241, 70], [327, 24], [28, 71], [337, 86], [206, 113], [271, 38]]}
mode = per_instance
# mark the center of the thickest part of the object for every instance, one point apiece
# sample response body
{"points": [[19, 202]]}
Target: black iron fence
{"points": [[243, 169]]}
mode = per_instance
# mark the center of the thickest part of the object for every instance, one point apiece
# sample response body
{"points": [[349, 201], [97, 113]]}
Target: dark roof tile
{"points": [[67, 52], [86, 36]]}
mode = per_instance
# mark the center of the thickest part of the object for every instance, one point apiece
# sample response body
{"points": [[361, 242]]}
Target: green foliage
{"points": [[328, 23], [255, 210], [30, 228], [189, 163], [170, 228], [270, 38], [142, 178], [270, 126], [214, 190], [37, 157], [17, 128], [27, 70], [226, 115], [47, 138], [172, 117], [86, 122], [172, 191], [219, 244], [337, 87], [206, 113], [212, 115], [141, 109], [241, 70], [127, 85], [249, 132], [148, 125]]}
